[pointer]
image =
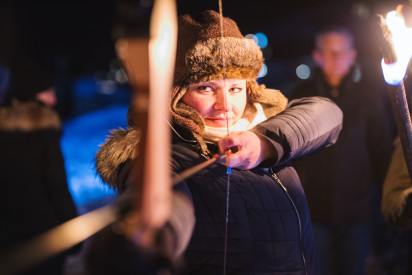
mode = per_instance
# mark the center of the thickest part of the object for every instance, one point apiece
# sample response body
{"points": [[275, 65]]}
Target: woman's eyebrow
{"points": [[237, 83]]}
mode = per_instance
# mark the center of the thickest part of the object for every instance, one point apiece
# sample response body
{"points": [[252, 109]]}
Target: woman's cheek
{"points": [[202, 107]]}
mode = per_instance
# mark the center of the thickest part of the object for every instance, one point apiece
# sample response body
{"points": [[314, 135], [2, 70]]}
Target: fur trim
{"points": [[28, 116], [219, 58], [272, 101], [200, 45], [185, 115], [119, 147], [394, 208]]}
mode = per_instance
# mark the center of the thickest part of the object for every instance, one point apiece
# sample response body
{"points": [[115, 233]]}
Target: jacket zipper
{"points": [[276, 178]]}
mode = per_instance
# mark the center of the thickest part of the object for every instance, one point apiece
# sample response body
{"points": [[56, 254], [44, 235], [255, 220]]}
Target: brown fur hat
{"points": [[203, 55]]}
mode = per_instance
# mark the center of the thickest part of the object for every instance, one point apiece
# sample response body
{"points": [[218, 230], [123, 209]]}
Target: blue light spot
{"points": [[262, 40], [263, 72]]}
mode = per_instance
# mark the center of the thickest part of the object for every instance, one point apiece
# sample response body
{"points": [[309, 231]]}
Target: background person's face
{"points": [[335, 56], [212, 99], [48, 97]]}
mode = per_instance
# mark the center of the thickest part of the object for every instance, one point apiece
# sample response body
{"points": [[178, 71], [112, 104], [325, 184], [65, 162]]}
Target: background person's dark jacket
{"points": [[339, 180], [34, 194]]}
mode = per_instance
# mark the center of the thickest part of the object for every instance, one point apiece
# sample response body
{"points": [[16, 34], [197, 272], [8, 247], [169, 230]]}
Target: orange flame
{"points": [[401, 39]]}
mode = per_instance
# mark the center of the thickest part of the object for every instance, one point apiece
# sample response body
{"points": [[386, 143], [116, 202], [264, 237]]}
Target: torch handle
{"points": [[403, 121]]}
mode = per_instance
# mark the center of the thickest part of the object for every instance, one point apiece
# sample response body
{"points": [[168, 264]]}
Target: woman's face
{"points": [[213, 99]]}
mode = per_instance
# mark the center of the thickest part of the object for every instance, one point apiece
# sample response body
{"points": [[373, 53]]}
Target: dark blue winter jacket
{"points": [[269, 227]]}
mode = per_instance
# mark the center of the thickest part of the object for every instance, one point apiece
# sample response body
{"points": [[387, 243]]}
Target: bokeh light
{"points": [[262, 40], [303, 71], [263, 72], [253, 37]]}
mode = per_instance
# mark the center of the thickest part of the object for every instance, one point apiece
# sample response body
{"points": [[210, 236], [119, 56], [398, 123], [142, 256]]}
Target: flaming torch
{"points": [[394, 66]]}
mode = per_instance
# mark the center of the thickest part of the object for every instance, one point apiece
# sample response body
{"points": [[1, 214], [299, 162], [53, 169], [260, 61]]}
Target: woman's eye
{"points": [[236, 90], [205, 88]]}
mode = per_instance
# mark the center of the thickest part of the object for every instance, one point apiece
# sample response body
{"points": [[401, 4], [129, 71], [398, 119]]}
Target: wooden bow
{"points": [[149, 63]]}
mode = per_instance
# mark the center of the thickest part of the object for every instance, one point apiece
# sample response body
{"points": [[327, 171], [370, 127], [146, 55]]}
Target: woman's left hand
{"points": [[252, 149]]}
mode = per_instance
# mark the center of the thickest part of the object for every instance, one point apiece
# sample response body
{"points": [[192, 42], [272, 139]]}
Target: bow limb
{"points": [[162, 52], [150, 67]]}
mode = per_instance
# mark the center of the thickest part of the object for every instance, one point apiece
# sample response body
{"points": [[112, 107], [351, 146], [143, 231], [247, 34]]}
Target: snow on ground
{"points": [[81, 138]]}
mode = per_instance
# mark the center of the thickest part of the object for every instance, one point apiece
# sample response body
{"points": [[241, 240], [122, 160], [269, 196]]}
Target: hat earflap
{"points": [[272, 101], [185, 115]]}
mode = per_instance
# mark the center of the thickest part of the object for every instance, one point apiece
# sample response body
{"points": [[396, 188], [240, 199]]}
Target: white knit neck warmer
{"points": [[214, 134]]}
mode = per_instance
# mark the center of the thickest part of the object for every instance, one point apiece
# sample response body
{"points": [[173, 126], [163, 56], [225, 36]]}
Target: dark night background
{"points": [[73, 41]]}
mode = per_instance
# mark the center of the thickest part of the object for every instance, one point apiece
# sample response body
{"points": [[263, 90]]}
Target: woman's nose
{"points": [[221, 102]]}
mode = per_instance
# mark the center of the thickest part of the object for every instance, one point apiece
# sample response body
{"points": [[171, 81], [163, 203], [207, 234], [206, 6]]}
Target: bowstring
{"points": [[229, 169]]}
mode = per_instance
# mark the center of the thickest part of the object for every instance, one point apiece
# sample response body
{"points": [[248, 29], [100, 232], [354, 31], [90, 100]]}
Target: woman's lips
{"points": [[218, 120]]}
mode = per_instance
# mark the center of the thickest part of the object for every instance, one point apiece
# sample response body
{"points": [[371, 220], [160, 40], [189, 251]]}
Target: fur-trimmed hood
{"points": [[28, 116], [119, 147]]}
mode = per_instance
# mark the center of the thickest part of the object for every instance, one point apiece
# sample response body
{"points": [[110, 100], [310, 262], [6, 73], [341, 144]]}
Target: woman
{"points": [[269, 229]]}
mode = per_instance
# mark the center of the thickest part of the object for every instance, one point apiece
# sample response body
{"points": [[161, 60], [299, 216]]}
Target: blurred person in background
{"points": [[397, 191], [34, 194], [397, 200], [342, 182]]}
